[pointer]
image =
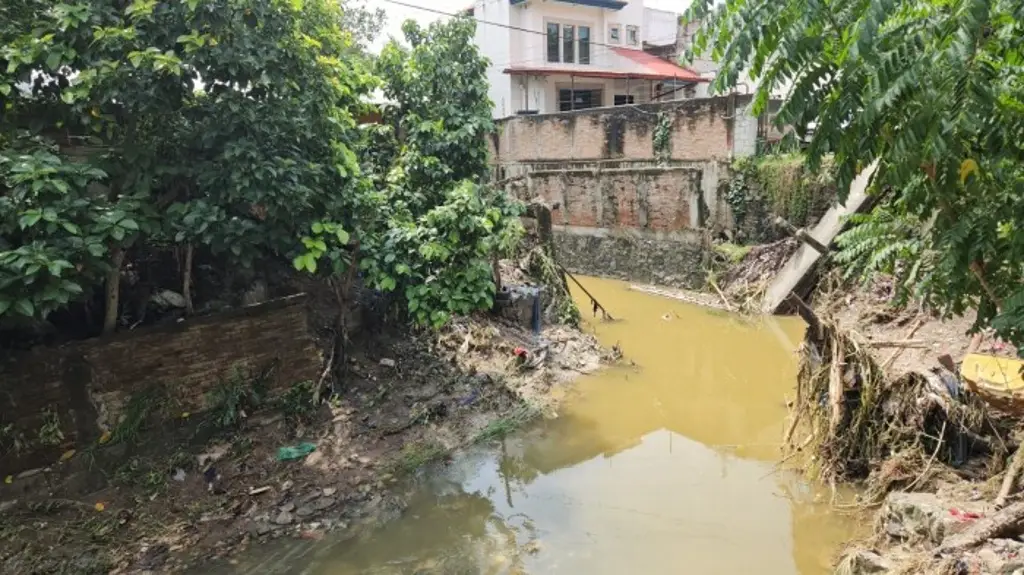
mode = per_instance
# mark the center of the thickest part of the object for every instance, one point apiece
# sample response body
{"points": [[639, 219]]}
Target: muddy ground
{"points": [[194, 491]]}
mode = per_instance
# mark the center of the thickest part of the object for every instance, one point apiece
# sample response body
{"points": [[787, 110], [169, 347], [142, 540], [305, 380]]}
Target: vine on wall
{"points": [[761, 188], [663, 137]]}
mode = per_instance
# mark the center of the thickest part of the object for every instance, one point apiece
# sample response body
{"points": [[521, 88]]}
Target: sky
{"points": [[398, 14]]}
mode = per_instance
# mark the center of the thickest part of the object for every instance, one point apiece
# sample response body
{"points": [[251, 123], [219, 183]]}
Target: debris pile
{"points": [[894, 433], [746, 281]]}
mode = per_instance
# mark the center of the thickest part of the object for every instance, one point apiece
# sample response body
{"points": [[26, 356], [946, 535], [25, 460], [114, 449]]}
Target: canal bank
{"points": [[666, 463]]}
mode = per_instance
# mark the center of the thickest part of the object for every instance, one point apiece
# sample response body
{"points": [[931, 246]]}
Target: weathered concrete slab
{"points": [[801, 263]]}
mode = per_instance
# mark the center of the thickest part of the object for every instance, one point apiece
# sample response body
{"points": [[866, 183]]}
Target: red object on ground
{"points": [[520, 352], [964, 515]]}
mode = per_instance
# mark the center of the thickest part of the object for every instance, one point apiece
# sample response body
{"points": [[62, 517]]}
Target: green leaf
{"points": [[5, 90], [318, 228], [343, 237], [71, 228], [25, 307], [129, 224], [53, 61], [29, 219], [5, 304]]}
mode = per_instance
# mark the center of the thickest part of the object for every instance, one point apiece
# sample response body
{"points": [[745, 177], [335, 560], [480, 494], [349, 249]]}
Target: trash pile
{"points": [[890, 433]]}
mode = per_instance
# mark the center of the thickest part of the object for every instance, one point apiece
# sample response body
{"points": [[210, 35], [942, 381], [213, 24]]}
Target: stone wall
{"points": [[662, 258], [83, 387]]}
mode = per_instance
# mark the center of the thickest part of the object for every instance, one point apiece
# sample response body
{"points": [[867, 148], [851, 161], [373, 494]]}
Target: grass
{"points": [[733, 252], [142, 409], [297, 403], [507, 424], [416, 455], [231, 398]]}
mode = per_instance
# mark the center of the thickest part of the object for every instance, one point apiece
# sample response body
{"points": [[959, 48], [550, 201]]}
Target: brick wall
{"points": [[620, 208], [86, 384], [701, 129], [649, 198]]}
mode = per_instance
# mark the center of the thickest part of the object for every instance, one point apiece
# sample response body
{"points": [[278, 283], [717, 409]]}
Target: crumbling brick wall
{"points": [[649, 198], [639, 180], [701, 129], [85, 385]]}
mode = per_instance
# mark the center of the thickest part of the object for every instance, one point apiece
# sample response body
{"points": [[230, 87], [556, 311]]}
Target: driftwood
{"points": [[1004, 523], [835, 388], [892, 358], [725, 300], [899, 343], [593, 300], [1010, 479]]}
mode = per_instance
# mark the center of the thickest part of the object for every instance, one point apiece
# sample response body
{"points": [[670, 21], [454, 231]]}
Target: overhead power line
{"points": [[498, 24]]}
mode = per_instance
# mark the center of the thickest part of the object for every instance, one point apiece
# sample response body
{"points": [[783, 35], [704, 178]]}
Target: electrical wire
{"points": [[592, 43], [497, 24]]}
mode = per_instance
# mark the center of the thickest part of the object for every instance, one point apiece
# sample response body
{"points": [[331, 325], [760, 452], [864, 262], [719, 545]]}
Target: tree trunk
{"points": [[1004, 523], [1010, 478], [186, 282], [113, 290]]}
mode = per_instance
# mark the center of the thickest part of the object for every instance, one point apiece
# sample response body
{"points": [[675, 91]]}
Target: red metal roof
{"points": [[656, 65], [647, 67]]}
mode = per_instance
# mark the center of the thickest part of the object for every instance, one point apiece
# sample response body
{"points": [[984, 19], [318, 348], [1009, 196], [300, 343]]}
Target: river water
{"points": [[666, 466]]}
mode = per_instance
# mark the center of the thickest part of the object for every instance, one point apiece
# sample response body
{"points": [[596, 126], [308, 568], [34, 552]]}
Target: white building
{"points": [[551, 56]]}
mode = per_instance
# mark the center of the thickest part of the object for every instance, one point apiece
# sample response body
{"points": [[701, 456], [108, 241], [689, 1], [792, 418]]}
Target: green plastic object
{"points": [[295, 451]]}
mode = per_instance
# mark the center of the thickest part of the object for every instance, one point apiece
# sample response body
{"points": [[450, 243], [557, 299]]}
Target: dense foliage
{"points": [[431, 231], [219, 122], [229, 127], [935, 90]]}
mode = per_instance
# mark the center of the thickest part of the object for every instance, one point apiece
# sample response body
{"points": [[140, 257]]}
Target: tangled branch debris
{"points": [[543, 267], [747, 281], [891, 433]]}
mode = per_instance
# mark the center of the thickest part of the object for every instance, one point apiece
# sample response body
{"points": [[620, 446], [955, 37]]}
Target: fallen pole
{"points": [[801, 234], [593, 300]]}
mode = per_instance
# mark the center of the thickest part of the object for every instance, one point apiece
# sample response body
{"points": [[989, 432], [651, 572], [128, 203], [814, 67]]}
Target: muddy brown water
{"points": [[662, 467]]}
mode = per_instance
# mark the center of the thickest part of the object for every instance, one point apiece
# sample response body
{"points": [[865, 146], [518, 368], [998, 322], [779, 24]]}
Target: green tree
{"points": [[225, 123], [935, 91], [431, 231], [445, 228]]}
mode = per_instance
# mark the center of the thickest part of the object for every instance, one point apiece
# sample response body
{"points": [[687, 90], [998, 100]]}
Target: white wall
{"points": [[660, 27], [506, 47], [494, 43]]}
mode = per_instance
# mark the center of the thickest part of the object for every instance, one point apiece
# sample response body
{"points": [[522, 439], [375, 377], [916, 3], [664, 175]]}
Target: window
{"points": [[584, 44], [553, 55], [633, 35], [623, 99], [578, 99], [568, 43], [614, 34]]}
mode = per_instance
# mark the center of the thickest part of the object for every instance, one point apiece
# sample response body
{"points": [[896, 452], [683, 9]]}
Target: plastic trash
{"points": [[291, 452]]}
